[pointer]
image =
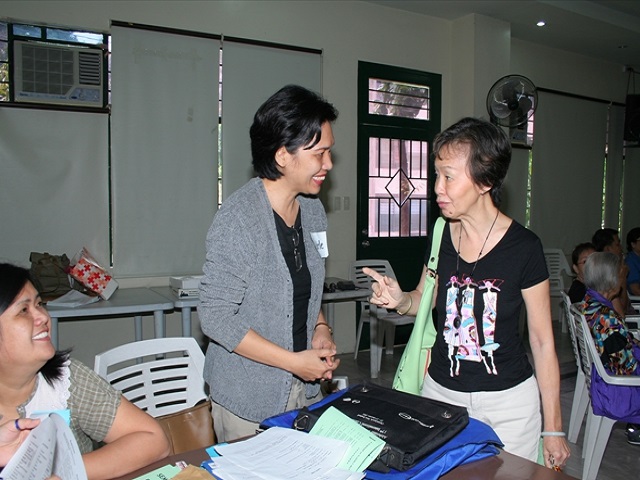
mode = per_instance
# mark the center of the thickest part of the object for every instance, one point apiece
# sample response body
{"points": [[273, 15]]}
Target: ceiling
{"points": [[608, 30]]}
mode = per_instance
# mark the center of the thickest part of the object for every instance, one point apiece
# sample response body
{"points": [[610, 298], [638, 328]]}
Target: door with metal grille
{"points": [[399, 114]]}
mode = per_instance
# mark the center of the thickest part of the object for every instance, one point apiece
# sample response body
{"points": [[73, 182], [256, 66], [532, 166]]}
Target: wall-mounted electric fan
{"points": [[512, 100]]}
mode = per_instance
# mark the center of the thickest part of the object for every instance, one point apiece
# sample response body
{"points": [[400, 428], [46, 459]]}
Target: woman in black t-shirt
{"points": [[489, 266]]}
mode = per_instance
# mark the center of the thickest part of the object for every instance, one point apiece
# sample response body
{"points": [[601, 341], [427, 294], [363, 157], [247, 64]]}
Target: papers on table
{"points": [[162, 473], [283, 454], [50, 449], [73, 298], [364, 446]]}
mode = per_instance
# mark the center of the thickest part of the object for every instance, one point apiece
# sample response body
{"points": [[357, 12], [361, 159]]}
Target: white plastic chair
{"points": [[557, 265], [390, 319], [598, 428], [580, 393], [161, 375]]}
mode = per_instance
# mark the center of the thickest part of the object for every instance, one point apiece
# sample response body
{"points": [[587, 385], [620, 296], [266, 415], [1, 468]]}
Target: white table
{"points": [[184, 304], [124, 302], [329, 299]]}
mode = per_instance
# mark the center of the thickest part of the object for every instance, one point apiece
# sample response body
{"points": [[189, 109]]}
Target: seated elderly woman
{"points": [[35, 378], [618, 349]]}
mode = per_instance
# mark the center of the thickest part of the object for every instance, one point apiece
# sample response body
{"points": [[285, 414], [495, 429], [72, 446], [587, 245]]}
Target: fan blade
{"points": [[525, 105], [500, 110], [518, 117]]}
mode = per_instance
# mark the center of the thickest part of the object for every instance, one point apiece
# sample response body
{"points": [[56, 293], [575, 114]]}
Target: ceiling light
{"points": [[541, 23]]}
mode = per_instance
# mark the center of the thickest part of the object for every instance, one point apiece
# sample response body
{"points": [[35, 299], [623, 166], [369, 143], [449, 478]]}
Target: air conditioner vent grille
{"points": [[90, 69], [46, 70]]}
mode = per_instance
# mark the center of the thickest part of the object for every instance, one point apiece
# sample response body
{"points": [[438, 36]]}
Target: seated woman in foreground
{"points": [[619, 351], [34, 378]]}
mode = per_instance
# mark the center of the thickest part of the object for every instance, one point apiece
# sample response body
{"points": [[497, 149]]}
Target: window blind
{"points": [[568, 169], [164, 150], [251, 74], [53, 185]]}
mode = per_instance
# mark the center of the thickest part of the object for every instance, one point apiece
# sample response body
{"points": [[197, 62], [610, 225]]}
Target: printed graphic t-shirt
{"points": [[478, 346]]}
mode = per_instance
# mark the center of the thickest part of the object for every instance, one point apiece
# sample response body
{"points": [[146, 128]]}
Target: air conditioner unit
{"points": [[58, 74]]}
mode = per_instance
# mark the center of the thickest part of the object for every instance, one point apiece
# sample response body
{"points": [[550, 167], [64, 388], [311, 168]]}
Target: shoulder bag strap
{"points": [[438, 228], [426, 302]]}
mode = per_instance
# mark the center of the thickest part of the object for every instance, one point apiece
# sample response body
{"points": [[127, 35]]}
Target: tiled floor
{"points": [[621, 460]]}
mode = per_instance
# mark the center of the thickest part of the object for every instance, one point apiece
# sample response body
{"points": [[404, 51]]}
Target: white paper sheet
{"points": [[50, 449], [73, 298]]}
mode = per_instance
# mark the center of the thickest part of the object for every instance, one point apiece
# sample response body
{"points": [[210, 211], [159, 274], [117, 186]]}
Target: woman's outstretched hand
{"points": [[386, 291]]}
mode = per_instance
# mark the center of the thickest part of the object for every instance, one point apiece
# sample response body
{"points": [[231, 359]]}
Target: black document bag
{"points": [[412, 426]]}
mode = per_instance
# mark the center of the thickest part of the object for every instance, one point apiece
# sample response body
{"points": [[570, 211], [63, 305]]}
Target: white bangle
{"points": [[408, 308], [553, 434]]}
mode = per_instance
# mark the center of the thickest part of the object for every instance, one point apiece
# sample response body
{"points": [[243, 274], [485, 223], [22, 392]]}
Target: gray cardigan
{"points": [[247, 285]]}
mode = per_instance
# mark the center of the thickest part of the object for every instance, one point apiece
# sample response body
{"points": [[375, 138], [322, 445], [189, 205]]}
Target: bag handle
{"points": [[430, 281]]}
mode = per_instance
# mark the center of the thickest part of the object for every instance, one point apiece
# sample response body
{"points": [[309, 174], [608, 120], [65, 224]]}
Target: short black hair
{"points": [[633, 236], [603, 238], [489, 152], [577, 251], [12, 281], [291, 118]]}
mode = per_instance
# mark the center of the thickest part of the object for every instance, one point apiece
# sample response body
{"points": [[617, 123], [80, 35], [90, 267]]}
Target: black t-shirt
{"points": [[292, 245], [577, 291], [478, 346]]}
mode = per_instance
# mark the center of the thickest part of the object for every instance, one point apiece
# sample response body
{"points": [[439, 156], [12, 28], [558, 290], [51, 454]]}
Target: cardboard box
{"points": [[87, 271]]}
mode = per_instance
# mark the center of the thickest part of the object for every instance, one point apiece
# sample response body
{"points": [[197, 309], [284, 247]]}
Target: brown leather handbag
{"points": [[189, 429]]}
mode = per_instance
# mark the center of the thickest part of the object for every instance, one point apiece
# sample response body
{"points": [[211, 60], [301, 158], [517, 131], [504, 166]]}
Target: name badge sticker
{"points": [[320, 241]]}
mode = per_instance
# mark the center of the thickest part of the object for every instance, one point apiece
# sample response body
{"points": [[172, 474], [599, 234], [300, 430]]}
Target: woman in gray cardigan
{"points": [[261, 293]]}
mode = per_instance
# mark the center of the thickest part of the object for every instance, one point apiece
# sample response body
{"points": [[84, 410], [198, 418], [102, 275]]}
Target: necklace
{"points": [[481, 249]]}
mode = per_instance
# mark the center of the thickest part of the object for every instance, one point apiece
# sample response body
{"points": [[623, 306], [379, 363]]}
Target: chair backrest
{"points": [[566, 311], [583, 338], [160, 376], [556, 265], [364, 281], [590, 356]]}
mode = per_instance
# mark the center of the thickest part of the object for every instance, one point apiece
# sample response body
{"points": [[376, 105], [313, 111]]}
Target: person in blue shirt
{"points": [[633, 261]]}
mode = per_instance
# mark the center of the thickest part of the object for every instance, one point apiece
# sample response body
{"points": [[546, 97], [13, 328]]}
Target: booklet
{"points": [[50, 449]]}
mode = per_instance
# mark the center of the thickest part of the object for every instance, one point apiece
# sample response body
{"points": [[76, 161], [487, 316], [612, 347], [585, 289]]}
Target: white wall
{"points": [[346, 32]]}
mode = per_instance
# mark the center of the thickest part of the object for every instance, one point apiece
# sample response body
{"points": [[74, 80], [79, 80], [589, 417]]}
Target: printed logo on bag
{"points": [[406, 416]]}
